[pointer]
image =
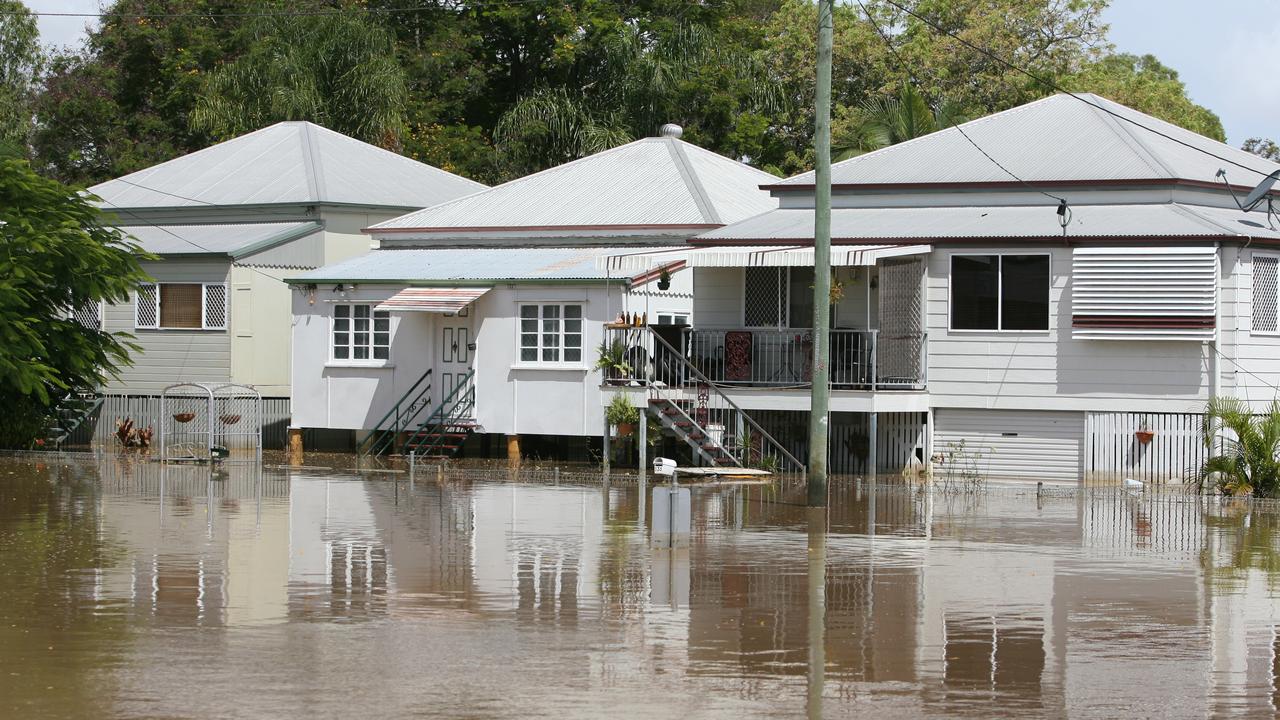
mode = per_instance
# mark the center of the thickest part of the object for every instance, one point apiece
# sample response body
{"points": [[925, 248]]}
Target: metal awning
{"points": [[441, 300], [762, 256]]}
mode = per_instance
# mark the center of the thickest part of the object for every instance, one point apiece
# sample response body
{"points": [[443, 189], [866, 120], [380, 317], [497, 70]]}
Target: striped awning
{"points": [[442, 300]]}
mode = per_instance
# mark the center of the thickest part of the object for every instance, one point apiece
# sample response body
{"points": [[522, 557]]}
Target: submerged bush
{"points": [[1246, 461]]}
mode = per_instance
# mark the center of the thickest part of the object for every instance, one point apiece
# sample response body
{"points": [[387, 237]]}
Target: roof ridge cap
{"points": [[1190, 212], [724, 158], [1127, 135], [312, 163], [691, 181]]}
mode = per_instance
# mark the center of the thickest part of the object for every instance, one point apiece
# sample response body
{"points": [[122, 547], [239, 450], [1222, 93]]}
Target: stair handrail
{"points": [[654, 390], [439, 410], [378, 428], [707, 381]]}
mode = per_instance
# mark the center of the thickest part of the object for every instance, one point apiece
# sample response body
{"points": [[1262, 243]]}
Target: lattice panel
{"points": [[1265, 299], [215, 306], [147, 307], [901, 318], [763, 293], [89, 315]]}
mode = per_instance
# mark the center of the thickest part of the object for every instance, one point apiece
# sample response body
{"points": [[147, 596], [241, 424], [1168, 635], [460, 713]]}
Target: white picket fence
{"points": [[1113, 452]]}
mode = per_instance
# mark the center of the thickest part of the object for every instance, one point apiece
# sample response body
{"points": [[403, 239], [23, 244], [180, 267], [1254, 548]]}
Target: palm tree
{"points": [[1250, 445], [880, 121]]}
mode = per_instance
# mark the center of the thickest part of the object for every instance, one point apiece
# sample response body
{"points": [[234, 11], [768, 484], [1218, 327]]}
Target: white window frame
{"points": [[204, 307], [951, 288], [1253, 302], [374, 315], [560, 362], [673, 314]]}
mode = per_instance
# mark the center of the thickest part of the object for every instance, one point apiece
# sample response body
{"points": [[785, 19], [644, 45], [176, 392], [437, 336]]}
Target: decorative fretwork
{"points": [[89, 315], [215, 306], [147, 307]]}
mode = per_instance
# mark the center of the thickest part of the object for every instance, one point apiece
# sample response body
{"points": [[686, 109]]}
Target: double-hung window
{"points": [[181, 306], [999, 292], [550, 333], [360, 332]]}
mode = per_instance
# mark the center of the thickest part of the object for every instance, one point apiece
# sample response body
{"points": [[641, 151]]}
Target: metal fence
{"points": [[145, 411]]}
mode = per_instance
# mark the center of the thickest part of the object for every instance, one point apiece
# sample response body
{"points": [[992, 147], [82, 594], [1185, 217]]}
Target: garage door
{"points": [[1014, 444]]}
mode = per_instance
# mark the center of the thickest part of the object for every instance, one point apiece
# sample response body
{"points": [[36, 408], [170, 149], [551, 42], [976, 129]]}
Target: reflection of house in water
{"points": [[208, 547], [337, 563]]}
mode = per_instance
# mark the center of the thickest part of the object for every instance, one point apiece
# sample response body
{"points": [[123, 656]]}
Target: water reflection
{"points": [[291, 593]]}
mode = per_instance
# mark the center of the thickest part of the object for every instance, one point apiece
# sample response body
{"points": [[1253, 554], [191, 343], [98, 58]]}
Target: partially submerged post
{"points": [[818, 419]]}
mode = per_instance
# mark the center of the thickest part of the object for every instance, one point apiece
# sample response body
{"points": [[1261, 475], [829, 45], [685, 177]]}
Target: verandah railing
{"points": [[680, 387]]}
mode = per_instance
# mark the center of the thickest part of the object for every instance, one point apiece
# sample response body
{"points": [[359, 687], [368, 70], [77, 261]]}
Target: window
{"points": [[551, 333], [88, 315], [778, 297], [181, 306], [1266, 304], [674, 317], [999, 292], [361, 333]]}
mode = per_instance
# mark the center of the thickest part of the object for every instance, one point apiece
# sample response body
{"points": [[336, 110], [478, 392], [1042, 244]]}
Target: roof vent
{"points": [[670, 130]]}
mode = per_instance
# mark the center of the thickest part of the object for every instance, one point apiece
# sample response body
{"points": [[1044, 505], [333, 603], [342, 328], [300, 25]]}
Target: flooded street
{"points": [[132, 590]]}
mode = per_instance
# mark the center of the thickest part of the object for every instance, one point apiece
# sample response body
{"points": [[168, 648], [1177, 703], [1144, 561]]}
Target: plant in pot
{"points": [[613, 361], [664, 280], [622, 415], [1144, 432]]}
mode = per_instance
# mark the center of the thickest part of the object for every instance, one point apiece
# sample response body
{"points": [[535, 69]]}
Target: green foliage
{"points": [[1262, 147], [339, 71], [55, 254], [20, 63], [621, 411], [612, 358], [1144, 83], [1249, 457], [883, 121]]}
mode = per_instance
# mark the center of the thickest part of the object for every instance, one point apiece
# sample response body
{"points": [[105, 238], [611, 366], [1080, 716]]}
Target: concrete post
{"points": [[606, 448], [644, 441]]}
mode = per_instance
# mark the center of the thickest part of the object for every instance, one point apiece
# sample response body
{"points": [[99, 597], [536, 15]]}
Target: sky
{"points": [[1224, 50]]}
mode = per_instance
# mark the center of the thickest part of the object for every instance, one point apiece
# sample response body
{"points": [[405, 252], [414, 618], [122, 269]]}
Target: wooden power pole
{"points": [[821, 390]]}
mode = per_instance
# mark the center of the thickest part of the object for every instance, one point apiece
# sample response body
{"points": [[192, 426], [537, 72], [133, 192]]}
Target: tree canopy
{"points": [[56, 255], [496, 90], [20, 62]]}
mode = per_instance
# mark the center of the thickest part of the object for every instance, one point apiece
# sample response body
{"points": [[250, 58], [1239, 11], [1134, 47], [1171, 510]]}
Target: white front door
{"points": [[457, 350]]}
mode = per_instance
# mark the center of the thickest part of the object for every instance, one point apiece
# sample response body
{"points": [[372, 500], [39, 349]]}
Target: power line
{"points": [[903, 64], [276, 13], [937, 29]]}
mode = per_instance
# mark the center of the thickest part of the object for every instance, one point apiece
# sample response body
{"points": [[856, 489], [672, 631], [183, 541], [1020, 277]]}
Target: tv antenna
{"points": [[1256, 195]]}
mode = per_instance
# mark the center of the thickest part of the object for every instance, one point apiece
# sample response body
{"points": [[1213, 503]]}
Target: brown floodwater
{"points": [[134, 590]]}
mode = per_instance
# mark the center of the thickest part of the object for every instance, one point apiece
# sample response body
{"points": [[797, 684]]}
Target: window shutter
{"points": [[215, 306], [1264, 294], [1139, 293], [89, 315], [146, 309]]}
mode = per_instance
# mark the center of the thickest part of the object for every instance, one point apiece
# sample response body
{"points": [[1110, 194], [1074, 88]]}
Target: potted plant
{"points": [[613, 360], [664, 280], [622, 415], [1144, 432]]}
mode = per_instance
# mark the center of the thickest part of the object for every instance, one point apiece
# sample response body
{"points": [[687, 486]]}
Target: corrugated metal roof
{"points": [[432, 299], [759, 256], [436, 265], [221, 239], [1036, 221], [289, 162], [1058, 138], [654, 181]]}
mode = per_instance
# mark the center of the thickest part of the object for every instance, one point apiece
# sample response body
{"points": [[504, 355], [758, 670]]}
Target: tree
{"points": [[1262, 147], [338, 70], [883, 121], [20, 63], [56, 254], [1250, 458], [1144, 83]]}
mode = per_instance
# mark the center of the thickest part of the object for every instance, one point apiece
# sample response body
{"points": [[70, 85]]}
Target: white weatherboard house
{"points": [[230, 223], [973, 312], [483, 315]]}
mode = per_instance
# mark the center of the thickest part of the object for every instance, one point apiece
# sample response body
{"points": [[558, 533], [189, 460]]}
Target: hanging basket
{"points": [[1144, 436], [626, 429], [184, 417]]}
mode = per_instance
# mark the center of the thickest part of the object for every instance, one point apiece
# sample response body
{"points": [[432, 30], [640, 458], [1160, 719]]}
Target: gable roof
{"points": [[286, 163], [658, 181], [1055, 139]]}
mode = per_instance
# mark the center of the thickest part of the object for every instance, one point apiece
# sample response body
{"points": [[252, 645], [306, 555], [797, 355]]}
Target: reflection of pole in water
{"points": [[817, 610]]}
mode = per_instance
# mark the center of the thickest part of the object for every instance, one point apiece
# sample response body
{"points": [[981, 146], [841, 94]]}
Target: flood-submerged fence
{"points": [[1149, 447]]}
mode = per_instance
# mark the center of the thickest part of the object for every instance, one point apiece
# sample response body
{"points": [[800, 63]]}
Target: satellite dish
{"points": [[1259, 193]]}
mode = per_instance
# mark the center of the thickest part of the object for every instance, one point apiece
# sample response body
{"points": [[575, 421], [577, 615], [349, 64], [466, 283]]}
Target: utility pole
{"points": [[821, 390]]}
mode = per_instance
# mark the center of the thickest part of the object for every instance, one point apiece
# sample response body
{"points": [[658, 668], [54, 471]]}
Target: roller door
{"points": [[1015, 444]]}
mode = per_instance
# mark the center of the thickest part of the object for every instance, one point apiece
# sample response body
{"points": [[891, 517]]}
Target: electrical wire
{"points": [[937, 29]]}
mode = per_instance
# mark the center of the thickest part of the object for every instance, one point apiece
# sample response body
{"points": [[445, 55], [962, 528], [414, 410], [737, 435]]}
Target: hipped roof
{"points": [[286, 163], [654, 182], [437, 266], [1058, 139]]}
